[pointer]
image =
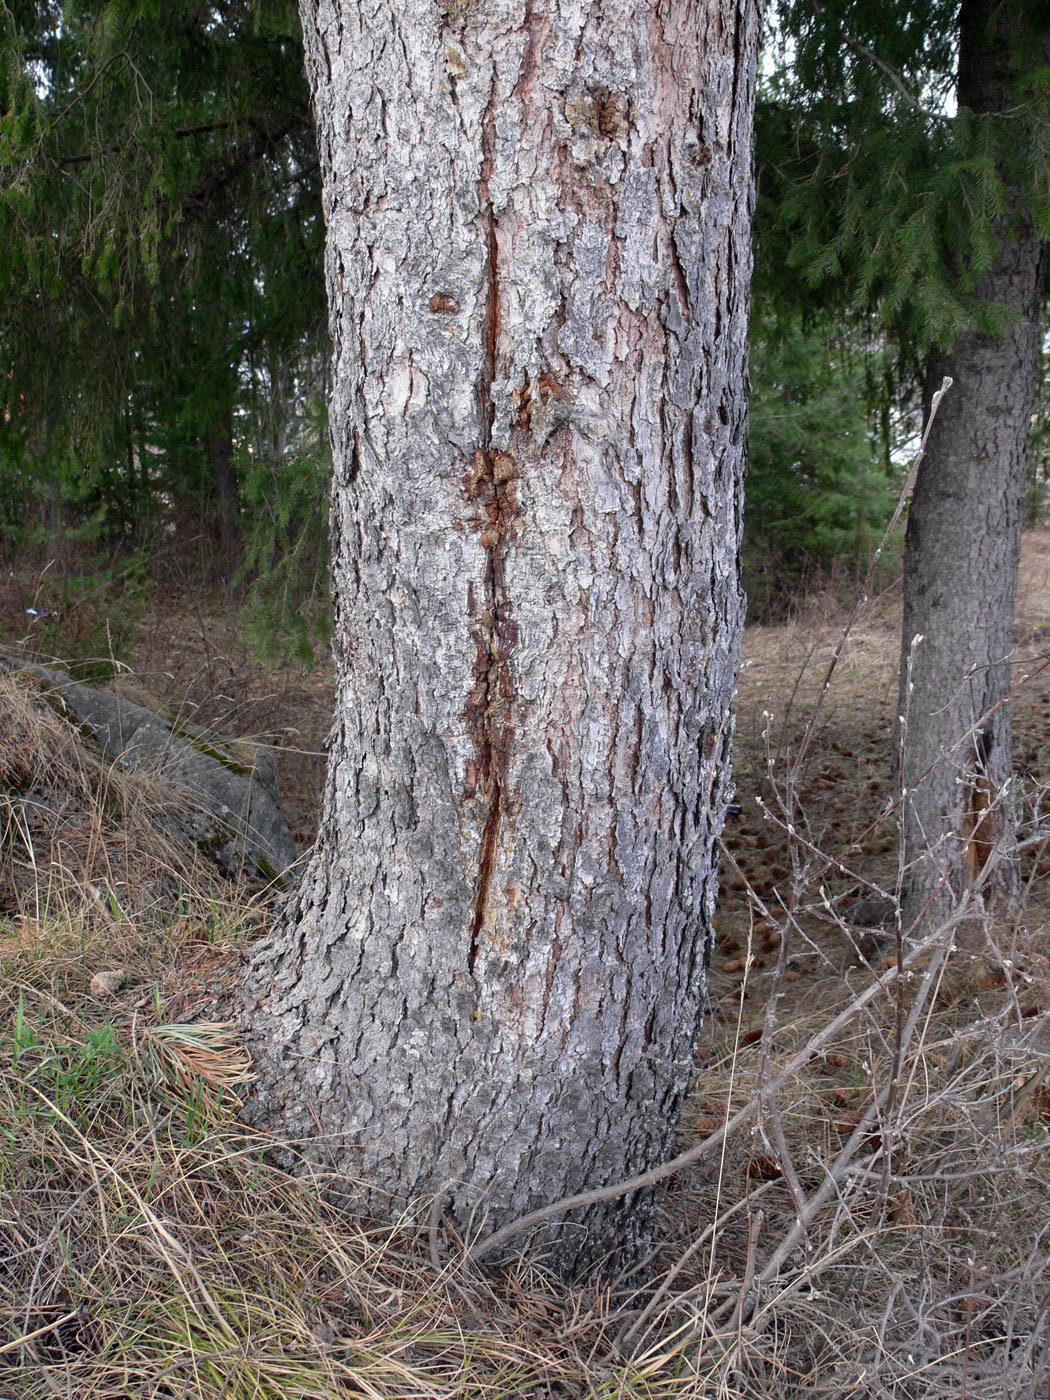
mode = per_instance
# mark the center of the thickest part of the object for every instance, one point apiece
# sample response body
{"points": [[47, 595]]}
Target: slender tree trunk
{"points": [[489, 985], [229, 536], [963, 546]]}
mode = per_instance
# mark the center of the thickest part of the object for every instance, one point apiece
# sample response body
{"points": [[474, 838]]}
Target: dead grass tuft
{"points": [[148, 1247], [81, 843]]}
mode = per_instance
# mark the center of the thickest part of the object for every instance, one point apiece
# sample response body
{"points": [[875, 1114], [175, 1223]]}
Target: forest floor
{"points": [[879, 1207]]}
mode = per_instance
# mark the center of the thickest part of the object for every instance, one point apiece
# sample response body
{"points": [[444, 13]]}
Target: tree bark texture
{"points": [[489, 985], [963, 544]]}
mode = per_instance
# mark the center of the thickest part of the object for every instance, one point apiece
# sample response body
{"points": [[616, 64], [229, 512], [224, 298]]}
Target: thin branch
{"points": [[835, 1174], [896, 79], [180, 133], [79, 97], [909, 97]]}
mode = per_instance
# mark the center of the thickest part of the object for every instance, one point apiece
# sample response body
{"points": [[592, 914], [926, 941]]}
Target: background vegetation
{"points": [[864, 1212]]}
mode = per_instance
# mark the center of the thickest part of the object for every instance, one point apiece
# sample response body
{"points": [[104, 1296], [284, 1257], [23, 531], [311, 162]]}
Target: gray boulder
{"points": [[233, 813]]}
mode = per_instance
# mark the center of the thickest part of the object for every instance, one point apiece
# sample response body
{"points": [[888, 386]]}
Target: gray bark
{"points": [[963, 546], [489, 985]]}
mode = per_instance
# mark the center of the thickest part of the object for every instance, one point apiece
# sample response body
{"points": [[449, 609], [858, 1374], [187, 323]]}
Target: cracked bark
{"points": [[490, 981], [963, 542]]}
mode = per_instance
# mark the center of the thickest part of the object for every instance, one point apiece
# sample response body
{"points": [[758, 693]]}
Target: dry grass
{"points": [[82, 842], [890, 1235], [147, 1247]]}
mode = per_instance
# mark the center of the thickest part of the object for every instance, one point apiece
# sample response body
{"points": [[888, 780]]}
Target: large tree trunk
{"points": [[489, 985], [963, 545]]}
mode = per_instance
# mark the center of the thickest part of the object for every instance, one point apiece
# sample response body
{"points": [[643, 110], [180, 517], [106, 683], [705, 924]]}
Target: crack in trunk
{"points": [[490, 707]]}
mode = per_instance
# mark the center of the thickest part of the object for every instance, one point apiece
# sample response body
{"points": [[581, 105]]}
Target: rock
{"points": [[233, 815]]}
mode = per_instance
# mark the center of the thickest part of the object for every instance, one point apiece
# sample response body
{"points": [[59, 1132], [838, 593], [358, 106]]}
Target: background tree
{"points": [[489, 984], [918, 190], [963, 544]]}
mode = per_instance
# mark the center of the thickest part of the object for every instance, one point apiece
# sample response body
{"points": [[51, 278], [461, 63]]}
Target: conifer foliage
{"points": [[160, 282], [888, 191], [822, 480]]}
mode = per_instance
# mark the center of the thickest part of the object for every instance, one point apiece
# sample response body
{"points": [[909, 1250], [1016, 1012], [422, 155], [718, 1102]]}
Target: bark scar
{"points": [[490, 486], [490, 710]]}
